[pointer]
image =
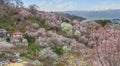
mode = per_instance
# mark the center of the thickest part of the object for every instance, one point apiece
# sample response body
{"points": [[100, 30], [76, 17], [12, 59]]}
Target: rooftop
{"points": [[3, 30]]}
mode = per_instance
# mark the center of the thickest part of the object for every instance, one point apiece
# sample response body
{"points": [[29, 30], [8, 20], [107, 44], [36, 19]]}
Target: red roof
{"points": [[17, 35]]}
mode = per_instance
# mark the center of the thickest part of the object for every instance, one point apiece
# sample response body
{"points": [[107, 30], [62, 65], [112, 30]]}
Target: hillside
{"points": [[55, 39], [17, 17], [106, 14]]}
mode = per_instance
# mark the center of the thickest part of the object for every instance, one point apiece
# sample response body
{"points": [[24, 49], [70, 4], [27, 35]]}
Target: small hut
{"points": [[17, 35], [17, 38]]}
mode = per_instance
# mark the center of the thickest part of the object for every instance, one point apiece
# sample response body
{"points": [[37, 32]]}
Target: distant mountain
{"points": [[106, 14], [70, 16]]}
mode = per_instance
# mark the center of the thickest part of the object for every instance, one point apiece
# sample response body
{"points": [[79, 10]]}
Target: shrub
{"points": [[47, 53], [102, 22], [77, 33], [33, 49], [66, 49], [67, 28], [8, 39], [62, 50], [58, 50], [42, 32]]}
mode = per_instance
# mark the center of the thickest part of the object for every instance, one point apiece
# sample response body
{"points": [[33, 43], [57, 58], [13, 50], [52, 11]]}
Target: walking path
{"points": [[17, 64]]}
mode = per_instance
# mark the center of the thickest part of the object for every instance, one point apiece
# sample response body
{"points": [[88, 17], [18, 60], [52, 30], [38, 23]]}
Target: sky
{"points": [[74, 5]]}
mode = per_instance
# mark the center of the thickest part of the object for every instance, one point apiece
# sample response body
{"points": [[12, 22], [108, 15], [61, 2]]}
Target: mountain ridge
{"points": [[103, 14]]}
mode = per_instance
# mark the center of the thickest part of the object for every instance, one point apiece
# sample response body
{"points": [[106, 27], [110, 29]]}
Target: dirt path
{"points": [[17, 64]]}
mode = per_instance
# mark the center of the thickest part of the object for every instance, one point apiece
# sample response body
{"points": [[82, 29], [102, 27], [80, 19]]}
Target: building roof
{"points": [[3, 30], [17, 35]]}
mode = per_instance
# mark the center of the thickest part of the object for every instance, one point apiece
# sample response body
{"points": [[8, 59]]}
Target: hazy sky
{"points": [[67, 5]]}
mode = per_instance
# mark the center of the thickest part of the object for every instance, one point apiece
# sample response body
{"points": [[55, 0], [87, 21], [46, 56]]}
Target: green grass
{"points": [[25, 58], [7, 24], [33, 48]]}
